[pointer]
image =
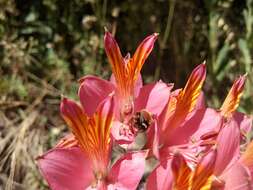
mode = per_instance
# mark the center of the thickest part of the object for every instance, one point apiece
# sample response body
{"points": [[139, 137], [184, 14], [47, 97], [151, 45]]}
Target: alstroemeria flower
{"points": [[130, 95], [86, 164], [126, 71], [185, 119], [230, 172], [223, 169], [183, 115]]}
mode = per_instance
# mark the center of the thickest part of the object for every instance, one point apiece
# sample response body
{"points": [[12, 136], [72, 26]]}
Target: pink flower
{"points": [[183, 115], [131, 96], [83, 161]]}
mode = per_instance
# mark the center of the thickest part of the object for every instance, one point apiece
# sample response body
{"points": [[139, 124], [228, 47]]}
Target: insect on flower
{"points": [[142, 120]]}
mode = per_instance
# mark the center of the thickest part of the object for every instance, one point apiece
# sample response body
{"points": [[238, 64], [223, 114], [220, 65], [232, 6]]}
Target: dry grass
{"points": [[26, 131]]}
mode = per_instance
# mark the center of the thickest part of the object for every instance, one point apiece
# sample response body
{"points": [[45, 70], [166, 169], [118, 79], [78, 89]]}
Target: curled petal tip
{"points": [[81, 80], [200, 70], [106, 30], [62, 97], [108, 38], [156, 34], [241, 82]]}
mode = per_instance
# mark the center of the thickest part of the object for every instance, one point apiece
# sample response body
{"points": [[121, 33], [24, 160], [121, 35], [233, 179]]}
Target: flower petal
{"points": [[247, 157], [127, 172], [76, 119], [187, 99], [233, 98], [93, 134], [201, 122], [153, 140], [237, 178], [244, 122], [182, 172], [211, 122], [228, 146], [148, 97], [137, 87], [203, 173], [66, 168], [201, 104], [67, 142], [141, 54], [92, 92], [161, 177]]}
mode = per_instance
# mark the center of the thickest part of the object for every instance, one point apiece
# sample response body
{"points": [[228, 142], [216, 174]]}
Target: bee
{"points": [[142, 120]]}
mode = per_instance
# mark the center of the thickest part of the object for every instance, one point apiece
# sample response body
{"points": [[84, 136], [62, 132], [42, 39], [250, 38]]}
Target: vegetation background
{"points": [[46, 45]]}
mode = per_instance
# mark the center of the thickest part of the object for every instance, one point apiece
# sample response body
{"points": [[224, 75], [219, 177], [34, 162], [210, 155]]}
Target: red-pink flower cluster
{"points": [[196, 147]]}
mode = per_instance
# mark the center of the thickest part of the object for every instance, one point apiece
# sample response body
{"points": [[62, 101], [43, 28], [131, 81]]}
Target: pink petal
{"points": [[244, 122], [161, 177], [92, 91], [153, 140], [201, 104], [153, 97], [228, 146], [237, 178], [211, 121], [127, 172], [201, 122], [67, 168]]}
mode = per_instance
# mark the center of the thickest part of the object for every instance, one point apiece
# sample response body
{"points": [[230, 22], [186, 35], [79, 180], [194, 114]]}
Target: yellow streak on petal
{"points": [[205, 186], [126, 70], [67, 142], [233, 98], [203, 174], [118, 64], [182, 173], [187, 98], [92, 134], [140, 55], [247, 156]]}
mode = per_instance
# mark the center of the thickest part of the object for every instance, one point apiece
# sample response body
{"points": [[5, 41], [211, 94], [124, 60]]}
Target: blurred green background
{"points": [[46, 45]]}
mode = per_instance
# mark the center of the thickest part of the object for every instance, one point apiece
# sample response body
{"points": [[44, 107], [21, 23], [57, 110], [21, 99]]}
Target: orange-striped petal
{"points": [[233, 98], [247, 156], [140, 55], [93, 134], [117, 62], [202, 178], [126, 70], [181, 171], [188, 97], [181, 105], [67, 142], [76, 119]]}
